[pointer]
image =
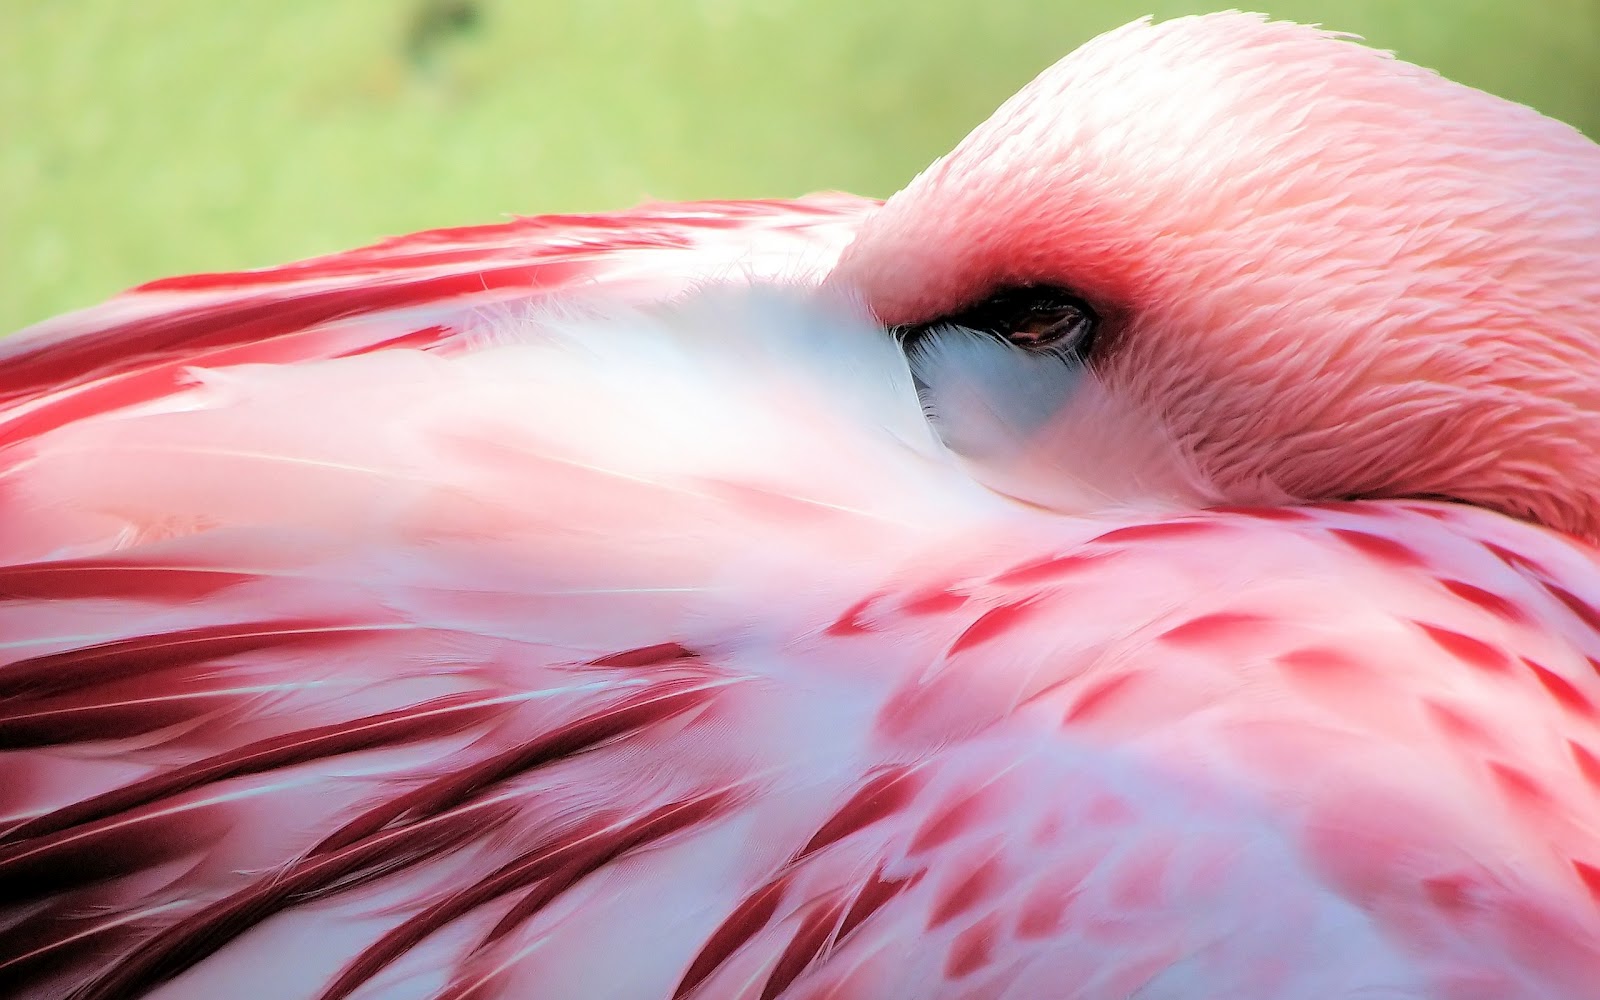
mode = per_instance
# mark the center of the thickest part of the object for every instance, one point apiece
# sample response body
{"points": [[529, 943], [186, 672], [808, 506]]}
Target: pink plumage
{"points": [[612, 606]]}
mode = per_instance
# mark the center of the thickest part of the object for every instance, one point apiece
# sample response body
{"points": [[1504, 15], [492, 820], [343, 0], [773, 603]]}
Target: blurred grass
{"points": [[138, 140]]}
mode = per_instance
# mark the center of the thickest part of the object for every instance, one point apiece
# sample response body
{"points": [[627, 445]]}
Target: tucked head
{"points": [[1326, 272]]}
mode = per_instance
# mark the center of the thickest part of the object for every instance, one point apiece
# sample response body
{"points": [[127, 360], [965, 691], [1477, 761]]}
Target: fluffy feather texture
{"points": [[1049, 433], [458, 618]]}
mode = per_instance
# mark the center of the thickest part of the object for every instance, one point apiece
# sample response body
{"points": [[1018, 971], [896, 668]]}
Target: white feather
{"points": [[1041, 429]]}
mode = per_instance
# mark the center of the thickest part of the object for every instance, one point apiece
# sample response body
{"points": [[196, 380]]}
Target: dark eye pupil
{"points": [[1034, 318]]}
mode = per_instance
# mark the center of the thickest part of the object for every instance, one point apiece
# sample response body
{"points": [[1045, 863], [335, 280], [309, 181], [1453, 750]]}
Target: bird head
{"points": [[1324, 273]]}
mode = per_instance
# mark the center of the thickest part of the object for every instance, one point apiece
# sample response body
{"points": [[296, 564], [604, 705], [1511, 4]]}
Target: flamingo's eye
{"points": [[1036, 318]]}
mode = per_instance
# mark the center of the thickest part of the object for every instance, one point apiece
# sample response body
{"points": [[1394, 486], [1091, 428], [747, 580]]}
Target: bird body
{"points": [[610, 607]]}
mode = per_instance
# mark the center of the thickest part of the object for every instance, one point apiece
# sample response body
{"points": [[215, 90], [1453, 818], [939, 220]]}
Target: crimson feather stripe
{"points": [[846, 908], [653, 826], [551, 869], [92, 852], [133, 343], [879, 797], [811, 940], [874, 895], [165, 372], [828, 917], [647, 656], [113, 712], [72, 932], [439, 816], [415, 723], [148, 655], [654, 705], [180, 946], [74, 403], [643, 227], [69, 579], [748, 919], [143, 825]]}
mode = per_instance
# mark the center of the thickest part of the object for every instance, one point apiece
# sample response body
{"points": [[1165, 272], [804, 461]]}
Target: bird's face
{"points": [[1319, 272]]}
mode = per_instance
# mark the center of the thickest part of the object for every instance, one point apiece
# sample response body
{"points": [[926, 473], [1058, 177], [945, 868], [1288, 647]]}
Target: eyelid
{"points": [[1010, 312]]}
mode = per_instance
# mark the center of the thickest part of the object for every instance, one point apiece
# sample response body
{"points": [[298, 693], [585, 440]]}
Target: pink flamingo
{"points": [[550, 610]]}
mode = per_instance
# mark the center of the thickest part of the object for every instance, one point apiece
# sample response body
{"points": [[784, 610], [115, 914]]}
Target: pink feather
{"points": [[586, 607]]}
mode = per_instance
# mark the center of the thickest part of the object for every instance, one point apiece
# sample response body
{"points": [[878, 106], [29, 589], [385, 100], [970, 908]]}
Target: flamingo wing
{"points": [[407, 291], [664, 652]]}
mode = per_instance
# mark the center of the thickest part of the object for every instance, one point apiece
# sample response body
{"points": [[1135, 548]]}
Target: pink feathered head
{"points": [[1327, 272]]}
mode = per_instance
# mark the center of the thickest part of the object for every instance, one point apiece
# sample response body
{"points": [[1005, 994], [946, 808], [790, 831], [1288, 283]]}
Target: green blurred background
{"points": [[147, 137]]}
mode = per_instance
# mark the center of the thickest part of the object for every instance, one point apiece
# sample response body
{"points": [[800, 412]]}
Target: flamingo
{"points": [[1150, 556]]}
